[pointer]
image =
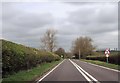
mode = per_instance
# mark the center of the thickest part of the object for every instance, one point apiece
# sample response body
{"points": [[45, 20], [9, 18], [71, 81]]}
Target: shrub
{"points": [[113, 58], [17, 57]]}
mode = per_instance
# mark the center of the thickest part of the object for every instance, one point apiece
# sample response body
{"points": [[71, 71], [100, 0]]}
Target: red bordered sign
{"points": [[107, 52]]}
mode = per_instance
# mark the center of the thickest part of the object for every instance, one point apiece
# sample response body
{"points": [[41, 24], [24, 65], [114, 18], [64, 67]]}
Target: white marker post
{"points": [[107, 53]]}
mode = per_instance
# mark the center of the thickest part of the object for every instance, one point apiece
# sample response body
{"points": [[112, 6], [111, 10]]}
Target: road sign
{"points": [[107, 53]]}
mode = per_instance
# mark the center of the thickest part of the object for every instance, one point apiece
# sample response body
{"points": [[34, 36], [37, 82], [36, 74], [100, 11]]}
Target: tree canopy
{"points": [[48, 41], [82, 46]]}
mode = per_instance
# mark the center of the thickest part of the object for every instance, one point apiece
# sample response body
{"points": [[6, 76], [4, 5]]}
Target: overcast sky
{"points": [[26, 22]]}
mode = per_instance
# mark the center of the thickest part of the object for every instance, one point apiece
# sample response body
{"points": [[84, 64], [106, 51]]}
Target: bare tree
{"points": [[48, 41], [83, 45]]}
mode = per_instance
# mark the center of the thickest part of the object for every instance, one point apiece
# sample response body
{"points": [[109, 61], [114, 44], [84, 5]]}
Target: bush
{"points": [[17, 57], [113, 58]]}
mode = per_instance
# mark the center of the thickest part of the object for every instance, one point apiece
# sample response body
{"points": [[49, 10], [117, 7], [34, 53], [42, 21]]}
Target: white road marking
{"points": [[86, 72], [49, 72], [102, 67], [81, 72]]}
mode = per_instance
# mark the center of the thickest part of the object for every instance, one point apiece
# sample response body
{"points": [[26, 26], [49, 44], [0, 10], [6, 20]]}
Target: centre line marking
{"points": [[81, 72], [85, 72]]}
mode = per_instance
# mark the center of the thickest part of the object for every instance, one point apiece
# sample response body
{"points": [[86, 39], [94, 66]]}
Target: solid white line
{"points": [[87, 74], [81, 71], [102, 67], [50, 72]]}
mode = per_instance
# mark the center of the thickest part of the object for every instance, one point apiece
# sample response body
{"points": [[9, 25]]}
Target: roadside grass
{"points": [[30, 75], [109, 65]]}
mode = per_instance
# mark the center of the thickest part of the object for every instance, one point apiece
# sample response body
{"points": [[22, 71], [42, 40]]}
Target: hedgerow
{"points": [[113, 58], [16, 57]]}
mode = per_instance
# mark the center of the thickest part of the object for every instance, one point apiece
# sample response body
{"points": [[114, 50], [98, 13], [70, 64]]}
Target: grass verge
{"points": [[31, 74], [109, 65]]}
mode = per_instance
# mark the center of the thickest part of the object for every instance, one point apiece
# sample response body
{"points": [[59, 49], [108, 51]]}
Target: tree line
{"points": [[81, 46]]}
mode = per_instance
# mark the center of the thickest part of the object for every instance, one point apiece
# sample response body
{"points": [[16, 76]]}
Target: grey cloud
{"points": [[24, 27], [106, 40], [101, 28], [32, 20], [96, 20], [27, 20], [108, 14], [16, 19], [82, 16]]}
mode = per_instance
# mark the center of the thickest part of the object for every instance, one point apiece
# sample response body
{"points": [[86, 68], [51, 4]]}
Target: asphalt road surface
{"points": [[78, 71]]}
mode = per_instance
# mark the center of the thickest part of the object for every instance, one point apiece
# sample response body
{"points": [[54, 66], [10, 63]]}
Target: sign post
{"points": [[107, 53], [107, 58]]}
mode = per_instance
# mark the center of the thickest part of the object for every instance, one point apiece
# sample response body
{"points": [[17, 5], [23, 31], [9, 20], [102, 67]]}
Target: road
{"points": [[78, 71]]}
